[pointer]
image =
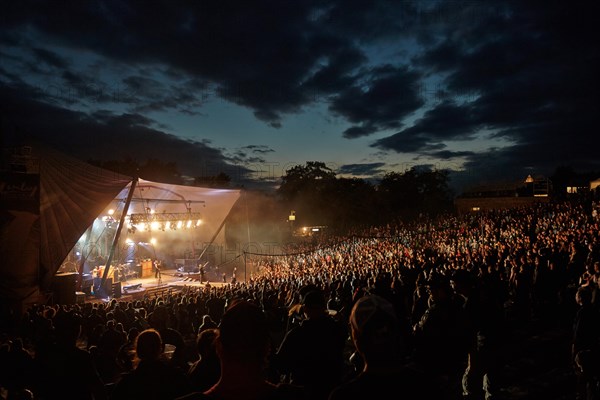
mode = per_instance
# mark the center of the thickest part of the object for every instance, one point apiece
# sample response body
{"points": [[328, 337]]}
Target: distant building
{"points": [[502, 195]]}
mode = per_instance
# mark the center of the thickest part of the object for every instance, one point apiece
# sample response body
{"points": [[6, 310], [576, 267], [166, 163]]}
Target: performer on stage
{"points": [[157, 268], [202, 273], [233, 277], [96, 279]]}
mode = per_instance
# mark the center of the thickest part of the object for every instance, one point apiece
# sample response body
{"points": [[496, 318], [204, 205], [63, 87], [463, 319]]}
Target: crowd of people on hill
{"points": [[421, 309]]}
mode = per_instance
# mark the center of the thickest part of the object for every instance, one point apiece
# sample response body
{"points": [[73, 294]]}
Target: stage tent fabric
{"points": [[164, 202], [49, 200]]}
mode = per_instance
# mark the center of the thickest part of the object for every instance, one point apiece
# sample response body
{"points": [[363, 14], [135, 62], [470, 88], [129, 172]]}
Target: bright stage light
{"points": [[154, 225], [111, 211], [153, 241], [189, 224]]}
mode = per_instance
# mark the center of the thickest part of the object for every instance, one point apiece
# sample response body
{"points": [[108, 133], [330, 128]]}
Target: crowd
{"points": [[419, 310]]}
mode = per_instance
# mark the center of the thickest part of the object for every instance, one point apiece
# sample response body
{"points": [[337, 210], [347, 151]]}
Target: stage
{"points": [[138, 288]]}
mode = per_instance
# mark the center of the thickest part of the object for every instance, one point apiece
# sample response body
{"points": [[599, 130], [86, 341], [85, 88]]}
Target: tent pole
{"points": [[118, 233], [88, 234], [212, 239]]}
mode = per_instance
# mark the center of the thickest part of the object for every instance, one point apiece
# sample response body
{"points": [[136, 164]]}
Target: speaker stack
{"points": [[64, 288]]}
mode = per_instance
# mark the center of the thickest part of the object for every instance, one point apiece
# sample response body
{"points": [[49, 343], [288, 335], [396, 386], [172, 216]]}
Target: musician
{"points": [[96, 279], [157, 268], [124, 271], [202, 273]]}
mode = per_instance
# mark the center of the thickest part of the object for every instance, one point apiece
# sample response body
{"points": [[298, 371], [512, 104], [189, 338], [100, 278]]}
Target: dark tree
{"points": [[300, 180], [406, 195], [351, 202], [320, 198], [304, 189]]}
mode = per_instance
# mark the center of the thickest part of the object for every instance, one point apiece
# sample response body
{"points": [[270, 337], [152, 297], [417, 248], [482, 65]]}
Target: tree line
{"points": [[319, 197]]}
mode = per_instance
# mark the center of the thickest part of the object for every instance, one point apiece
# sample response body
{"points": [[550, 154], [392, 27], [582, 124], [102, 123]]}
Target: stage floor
{"points": [[137, 288]]}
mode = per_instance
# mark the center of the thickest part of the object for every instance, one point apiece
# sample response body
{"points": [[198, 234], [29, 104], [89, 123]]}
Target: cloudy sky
{"points": [[489, 91]]}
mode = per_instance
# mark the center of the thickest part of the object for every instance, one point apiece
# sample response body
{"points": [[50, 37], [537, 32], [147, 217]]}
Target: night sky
{"points": [[490, 90]]}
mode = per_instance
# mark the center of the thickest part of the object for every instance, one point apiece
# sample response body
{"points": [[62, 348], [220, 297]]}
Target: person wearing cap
{"points": [[312, 354], [377, 336]]}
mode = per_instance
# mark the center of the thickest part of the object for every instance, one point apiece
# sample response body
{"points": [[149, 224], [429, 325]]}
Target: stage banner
{"points": [[20, 192], [19, 234]]}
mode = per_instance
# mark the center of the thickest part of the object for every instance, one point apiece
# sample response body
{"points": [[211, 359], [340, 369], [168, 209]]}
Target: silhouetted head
{"points": [[376, 329], [244, 333], [149, 345]]}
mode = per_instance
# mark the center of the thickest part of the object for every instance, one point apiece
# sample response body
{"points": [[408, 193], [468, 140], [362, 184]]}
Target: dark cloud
{"points": [[407, 144], [385, 96], [148, 94], [273, 57], [240, 157], [526, 74], [335, 73], [448, 155], [106, 135], [369, 169], [251, 156], [260, 149], [358, 131], [522, 73], [447, 121], [50, 58]]}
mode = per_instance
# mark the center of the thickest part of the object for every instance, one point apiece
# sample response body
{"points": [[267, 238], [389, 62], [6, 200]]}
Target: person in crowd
{"points": [[378, 338], [441, 337], [60, 360], [490, 245], [205, 372], [152, 378], [586, 337], [207, 323], [243, 345], [312, 354], [483, 327], [126, 354], [18, 367]]}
